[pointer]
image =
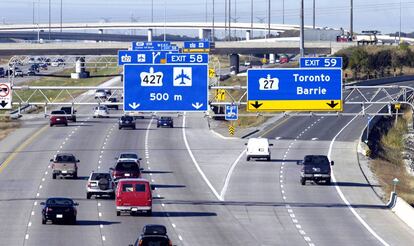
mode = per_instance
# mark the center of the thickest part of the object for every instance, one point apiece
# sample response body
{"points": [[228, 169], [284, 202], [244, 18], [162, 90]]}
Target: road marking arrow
{"points": [[256, 104], [332, 104], [134, 105], [197, 105], [3, 104]]}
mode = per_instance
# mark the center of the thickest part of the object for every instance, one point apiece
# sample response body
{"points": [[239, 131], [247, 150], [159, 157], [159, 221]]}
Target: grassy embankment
{"points": [[389, 164]]}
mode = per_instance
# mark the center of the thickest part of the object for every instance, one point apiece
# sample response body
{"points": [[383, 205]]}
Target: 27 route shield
{"points": [[294, 89]]}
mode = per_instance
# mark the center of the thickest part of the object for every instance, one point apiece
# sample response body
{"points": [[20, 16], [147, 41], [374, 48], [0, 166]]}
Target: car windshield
{"points": [[128, 156], [126, 166], [98, 176], [65, 158], [58, 112], [125, 118], [316, 160], [59, 201]]}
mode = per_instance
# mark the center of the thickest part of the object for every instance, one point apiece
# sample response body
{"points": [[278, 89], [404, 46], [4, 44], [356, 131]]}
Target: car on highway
{"points": [[100, 94], [126, 122], [58, 62], [165, 121], [113, 100], [30, 72], [2, 72], [64, 165], [153, 235], [58, 117], [59, 209], [126, 169], [258, 148], [128, 156], [100, 184], [18, 72], [133, 195], [316, 168], [70, 112], [101, 112]]}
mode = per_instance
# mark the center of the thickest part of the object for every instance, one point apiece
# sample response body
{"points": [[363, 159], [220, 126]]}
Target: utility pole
{"points": [[314, 12], [50, 18], [230, 20], [152, 11], [225, 20], [165, 20], [212, 38], [251, 19], [61, 16], [283, 11], [33, 12], [351, 29], [206, 10], [399, 33], [268, 20], [302, 30]]}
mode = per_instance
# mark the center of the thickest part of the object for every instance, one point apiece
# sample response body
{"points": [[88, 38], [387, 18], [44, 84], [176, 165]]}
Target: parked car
{"points": [[18, 72], [59, 209], [258, 148], [165, 121], [101, 112], [100, 184], [153, 235], [58, 117], [126, 169], [70, 112], [100, 94], [316, 168], [64, 165], [126, 122], [112, 100], [30, 72], [133, 195], [2, 72]]}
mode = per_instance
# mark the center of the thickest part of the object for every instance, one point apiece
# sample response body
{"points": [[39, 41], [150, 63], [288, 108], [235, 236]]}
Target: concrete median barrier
{"points": [[402, 209]]}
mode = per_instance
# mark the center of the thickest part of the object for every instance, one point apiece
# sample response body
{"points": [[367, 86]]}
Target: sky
{"points": [[383, 15]]}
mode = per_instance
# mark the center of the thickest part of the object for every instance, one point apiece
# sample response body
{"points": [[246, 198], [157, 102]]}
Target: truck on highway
{"points": [[64, 165]]}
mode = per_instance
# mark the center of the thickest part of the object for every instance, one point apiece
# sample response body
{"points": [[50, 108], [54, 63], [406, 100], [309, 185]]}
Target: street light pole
{"points": [[268, 20], [283, 11], [302, 30], [251, 19], [230, 20], [399, 35], [33, 12], [351, 29], [61, 16], [314, 12], [165, 20], [225, 20], [152, 11], [212, 38], [50, 18]]}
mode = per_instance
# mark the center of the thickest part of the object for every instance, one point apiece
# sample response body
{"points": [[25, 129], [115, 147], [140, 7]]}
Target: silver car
{"points": [[100, 184]]}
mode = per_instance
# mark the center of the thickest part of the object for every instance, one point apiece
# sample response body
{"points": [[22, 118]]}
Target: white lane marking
{"points": [[46, 173], [100, 214], [152, 180], [40, 187], [298, 226], [295, 221], [103, 238], [99, 204], [33, 213], [313, 139], [292, 215], [35, 203], [198, 166], [27, 236], [302, 232], [101, 226], [162, 204], [307, 239], [38, 194], [339, 191], [284, 198], [290, 211], [149, 168], [43, 179], [173, 225], [229, 173], [180, 237], [30, 224], [277, 138]]}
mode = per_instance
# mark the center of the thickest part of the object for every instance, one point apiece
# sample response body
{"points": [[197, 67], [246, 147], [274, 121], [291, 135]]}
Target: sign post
{"points": [[310, 89], [5, 96]]}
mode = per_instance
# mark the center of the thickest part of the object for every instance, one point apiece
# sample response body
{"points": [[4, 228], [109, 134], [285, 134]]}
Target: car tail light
{"points": [[140, 242], [169, 243], [89, 185]]}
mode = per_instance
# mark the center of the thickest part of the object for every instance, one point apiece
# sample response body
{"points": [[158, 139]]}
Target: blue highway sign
{"points": [[232, 112], [307, 89], [321, 62], [187, 58], [141, 57], [168, 87], [156, 45], [196, 45]]}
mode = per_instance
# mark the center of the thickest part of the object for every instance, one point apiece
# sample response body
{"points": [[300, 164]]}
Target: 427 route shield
{"points": [[294, 89]]}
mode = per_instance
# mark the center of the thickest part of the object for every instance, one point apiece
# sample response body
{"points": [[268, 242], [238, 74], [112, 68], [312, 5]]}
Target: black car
{"points": [[112, 100], [316, 168], [153, 235], [59, 209], [126, 121], [165, 121], [71, 112], [2, 72]]}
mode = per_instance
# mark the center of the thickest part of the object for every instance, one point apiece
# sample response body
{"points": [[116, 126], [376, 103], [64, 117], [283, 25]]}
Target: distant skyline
{"points": [[383, 15]]}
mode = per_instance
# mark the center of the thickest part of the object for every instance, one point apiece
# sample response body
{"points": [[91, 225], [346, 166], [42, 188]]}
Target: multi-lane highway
{"points": [[207, 193]]}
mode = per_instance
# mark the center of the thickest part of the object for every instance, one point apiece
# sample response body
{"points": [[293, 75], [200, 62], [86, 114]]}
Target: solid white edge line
{"points": [[228, 176], [196, 164], [339, 191]]}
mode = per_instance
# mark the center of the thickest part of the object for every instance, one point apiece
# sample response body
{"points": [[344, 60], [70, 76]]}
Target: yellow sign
{"points": [[264, 60], [397, 106], [196, 50], [220, 94], [211, 73], [295, 105], [231, 130]]}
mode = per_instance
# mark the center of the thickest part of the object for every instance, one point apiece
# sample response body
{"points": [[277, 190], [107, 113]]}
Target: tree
{"points": [[383, 61], [358, 61]]}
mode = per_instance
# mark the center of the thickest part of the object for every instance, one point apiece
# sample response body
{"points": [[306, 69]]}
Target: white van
{"points": [[258, 148]]}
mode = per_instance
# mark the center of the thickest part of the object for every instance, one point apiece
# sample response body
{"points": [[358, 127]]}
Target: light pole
{"points": [[399, 33], [225, 20], [61, 16], [314, 14], [230, 20], [33, 12], [152, 11], [212, 38], [251, 19], [283, 11], [351, 28], [302, 30], [268, 19], [50, 18], [165, 20]]}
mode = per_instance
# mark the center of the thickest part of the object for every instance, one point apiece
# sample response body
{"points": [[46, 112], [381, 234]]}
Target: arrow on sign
{"points": [[332, 104], [134, 105], [256, 104], [197, 105], [3, 104]]}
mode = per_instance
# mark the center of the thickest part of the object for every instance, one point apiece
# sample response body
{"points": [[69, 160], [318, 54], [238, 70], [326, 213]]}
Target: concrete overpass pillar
{"points": [[272, 58], [204, 33], [234, 63], [80, 71], [149, 34], [248, 35]]}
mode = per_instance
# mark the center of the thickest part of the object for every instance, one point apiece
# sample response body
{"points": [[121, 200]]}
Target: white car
{"points": [[128, 156], [100, 184], [100, 93], [258, 148], [101, 112]]}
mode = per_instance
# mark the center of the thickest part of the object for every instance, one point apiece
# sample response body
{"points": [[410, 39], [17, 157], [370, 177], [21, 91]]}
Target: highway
{"points": [[207, 194]]}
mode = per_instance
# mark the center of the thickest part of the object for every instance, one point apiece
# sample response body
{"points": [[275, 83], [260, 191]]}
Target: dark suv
{"points": [[316, 168], [153, 235], [126, 121], [70, 111], [165, 121], [126, 169]]}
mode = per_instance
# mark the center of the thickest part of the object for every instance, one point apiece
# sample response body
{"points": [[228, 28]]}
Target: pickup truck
{"points": [[64, 165], [316, 168]]}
